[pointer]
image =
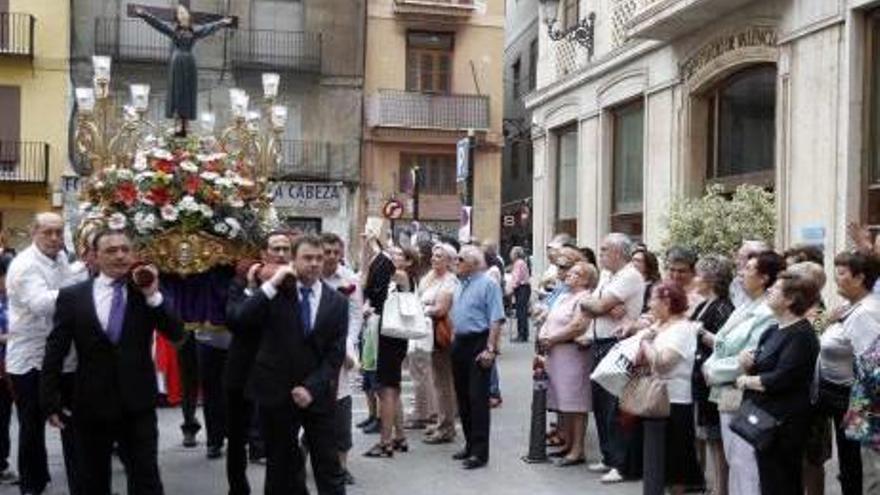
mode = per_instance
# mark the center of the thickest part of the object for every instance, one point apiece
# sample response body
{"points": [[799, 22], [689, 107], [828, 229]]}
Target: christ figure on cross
{"points": [[183, 80]]}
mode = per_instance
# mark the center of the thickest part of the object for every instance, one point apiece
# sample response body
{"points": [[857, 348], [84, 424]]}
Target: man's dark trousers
{"points": [[472, 392], [212, 362], [33, 464], [188, 362], [137, 436], [239, 415], [5, 418], [281, 426]]}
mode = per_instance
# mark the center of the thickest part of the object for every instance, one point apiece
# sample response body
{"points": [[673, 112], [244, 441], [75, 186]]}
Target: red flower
{"points": [[126, 193], [159, 196], [166, 166], [192, 183]]}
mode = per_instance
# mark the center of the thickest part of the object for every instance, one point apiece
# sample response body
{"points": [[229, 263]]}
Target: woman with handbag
{"points": [[435, 291], [742, 331], [668, 348], [777, 386], [396, 267], [713, 277], [840, 345], [568, 364]]}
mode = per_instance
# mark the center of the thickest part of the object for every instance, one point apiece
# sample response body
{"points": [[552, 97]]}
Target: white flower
{"points": [[221, 228], [144, 222], [209, 176], [148, 175], [140, 161], [188, 203], [234, 227], [117, 221], [206, 211], [223, 182], [169, 213], [161, 154], [124, 174], [98, 184], [236, 202], [188, 166]]}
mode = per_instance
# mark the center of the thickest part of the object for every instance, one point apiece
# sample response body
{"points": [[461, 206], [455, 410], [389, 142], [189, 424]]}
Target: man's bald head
{"points": [[47, 233]]}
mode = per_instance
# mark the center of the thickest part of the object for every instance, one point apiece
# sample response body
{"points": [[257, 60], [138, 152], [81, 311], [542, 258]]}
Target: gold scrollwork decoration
{"points": [[192, 253]]}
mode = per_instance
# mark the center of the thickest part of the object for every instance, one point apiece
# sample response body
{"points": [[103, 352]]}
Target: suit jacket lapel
{"points": [[91, 309]]}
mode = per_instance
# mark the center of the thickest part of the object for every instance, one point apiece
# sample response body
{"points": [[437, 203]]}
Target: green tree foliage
{"points": [[716, 223]]}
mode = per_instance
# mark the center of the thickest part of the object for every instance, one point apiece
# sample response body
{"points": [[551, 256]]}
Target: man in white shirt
{"points": [[621, 285], [33, 282], [345, 282]]}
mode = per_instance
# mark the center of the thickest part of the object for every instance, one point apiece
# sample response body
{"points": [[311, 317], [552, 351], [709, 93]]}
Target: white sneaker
{"points": [[612, 476], [598, 467]]}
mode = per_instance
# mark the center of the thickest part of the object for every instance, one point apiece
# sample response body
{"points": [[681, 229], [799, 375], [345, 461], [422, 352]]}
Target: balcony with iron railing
{"points": [[24, 162], [314, 160], [435, 10], [16, 34], [130, 40], [412, 110], [668, 19], [297, 51]]}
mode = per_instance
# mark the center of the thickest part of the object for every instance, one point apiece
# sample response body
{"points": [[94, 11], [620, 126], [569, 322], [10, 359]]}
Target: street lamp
{"points": [[582, 32]]}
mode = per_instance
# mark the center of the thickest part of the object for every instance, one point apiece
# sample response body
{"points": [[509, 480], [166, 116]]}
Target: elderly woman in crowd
{"points": [[435, 291], [712, 282], [779, 374], [568, 364], [742, 331], [669, 347], [680, 265], [840, 345]]}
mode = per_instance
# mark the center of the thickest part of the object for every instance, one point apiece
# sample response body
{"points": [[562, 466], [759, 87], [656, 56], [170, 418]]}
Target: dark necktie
{"points": [[305, 309], [117, 311]]}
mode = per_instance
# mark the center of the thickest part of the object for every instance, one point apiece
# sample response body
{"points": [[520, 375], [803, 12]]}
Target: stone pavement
{"points": [[424, 470]]}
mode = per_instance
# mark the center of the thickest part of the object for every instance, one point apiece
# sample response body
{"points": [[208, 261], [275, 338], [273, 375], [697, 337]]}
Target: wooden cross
{"points": [[168, 14]]}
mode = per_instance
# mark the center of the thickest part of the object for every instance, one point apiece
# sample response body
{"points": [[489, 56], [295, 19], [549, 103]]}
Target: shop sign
{"points": [[310, 196]]}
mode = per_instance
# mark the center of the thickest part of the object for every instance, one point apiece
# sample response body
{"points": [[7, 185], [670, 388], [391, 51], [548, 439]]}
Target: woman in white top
{"points": [[840, 345], [669, 347], [435, 291]]}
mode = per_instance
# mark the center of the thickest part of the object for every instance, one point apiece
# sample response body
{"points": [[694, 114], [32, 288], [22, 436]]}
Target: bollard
{"points": [[538, 433]]}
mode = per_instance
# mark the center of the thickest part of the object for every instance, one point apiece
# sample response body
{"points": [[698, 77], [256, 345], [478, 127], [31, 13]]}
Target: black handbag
{"points": [[755, 425]]}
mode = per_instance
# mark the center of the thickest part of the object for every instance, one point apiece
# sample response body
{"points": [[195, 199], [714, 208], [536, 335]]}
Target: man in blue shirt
{"points": [[477, 316]]}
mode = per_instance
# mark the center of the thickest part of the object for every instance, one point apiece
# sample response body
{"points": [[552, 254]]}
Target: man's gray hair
{"points": [[45, 217], [622, 243], [473, 253], [756, 245]]}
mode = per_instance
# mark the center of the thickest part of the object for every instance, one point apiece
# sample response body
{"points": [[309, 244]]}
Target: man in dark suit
{"points": [[110, 322], [294, 377], [242, 349]]}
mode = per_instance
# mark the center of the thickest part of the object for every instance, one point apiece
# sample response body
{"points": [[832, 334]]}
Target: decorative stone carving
{"points": [[755, 36]]}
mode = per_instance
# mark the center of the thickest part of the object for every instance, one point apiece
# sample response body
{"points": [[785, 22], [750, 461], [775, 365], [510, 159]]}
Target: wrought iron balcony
{"points": [[434, 10], [24, 162], [668, 19], [277, 50], [305, 160], [130, 40], [16, 34], [411, 110]]}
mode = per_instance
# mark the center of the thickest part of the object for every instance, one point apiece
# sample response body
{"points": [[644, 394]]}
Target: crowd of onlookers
{"points": [[759, 373]]}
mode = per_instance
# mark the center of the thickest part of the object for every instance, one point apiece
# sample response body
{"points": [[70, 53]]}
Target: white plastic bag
{"points": [[616, 368]]}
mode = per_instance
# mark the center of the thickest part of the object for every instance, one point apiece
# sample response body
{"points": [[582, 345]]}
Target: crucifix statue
{"points": [[180, 103]]}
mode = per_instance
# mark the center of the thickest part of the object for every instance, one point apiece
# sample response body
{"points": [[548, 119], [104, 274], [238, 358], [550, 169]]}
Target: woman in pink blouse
{"points": [[522, 292]]}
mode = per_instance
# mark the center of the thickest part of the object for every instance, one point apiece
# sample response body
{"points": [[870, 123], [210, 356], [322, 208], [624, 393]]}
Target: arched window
{"points": [[742, 127]]}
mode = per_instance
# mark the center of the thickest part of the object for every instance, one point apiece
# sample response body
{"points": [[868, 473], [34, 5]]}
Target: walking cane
{"points": [[538, 433]]}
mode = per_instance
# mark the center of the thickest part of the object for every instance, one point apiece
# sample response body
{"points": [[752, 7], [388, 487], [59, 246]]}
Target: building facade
{"points": [[433, 76], [679, 94], [520, 78], [34, 92], [315, 45]]}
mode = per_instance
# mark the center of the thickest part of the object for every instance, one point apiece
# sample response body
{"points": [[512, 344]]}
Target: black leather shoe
{"points": [[214, 452], [473, 462], [461, 455], [189, 440]]}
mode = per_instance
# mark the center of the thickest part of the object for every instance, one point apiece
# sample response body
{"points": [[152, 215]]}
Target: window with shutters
{"points": [[429, 62], [627, 173], [566, 180], [533, 64], [436, 172]]}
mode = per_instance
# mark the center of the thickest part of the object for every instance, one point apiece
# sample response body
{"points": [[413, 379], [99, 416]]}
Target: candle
{"points": [[271, 81], [279, 116], [207, 121], [101, 64], [140, 96], [238, 100], [85, 99]]}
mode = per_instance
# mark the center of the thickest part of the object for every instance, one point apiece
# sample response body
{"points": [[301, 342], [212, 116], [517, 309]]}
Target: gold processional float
{"points": [[191, 202]]}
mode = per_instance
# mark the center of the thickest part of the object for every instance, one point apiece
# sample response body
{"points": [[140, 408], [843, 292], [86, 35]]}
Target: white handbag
{"points": [[403, 316]]}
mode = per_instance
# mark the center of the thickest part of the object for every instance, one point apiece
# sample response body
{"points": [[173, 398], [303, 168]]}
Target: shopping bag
{"points": [[403, 316], [617, 367]]}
